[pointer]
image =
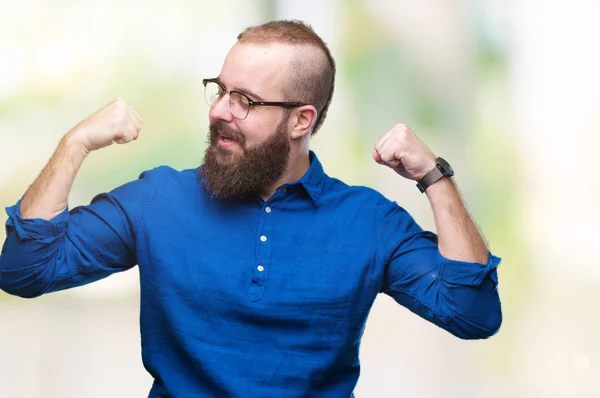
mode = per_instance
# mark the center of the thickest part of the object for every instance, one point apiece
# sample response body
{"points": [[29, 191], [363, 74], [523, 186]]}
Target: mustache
{"points": [[218, 127]]}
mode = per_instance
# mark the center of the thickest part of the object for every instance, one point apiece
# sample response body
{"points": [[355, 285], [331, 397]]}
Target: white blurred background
{"points": [[507, 91]]}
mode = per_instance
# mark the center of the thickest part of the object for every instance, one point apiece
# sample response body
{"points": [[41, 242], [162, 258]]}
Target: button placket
{"points": [[261, 267]]}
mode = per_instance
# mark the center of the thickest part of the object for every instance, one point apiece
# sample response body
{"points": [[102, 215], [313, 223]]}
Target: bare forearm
{"points": [[48, 195], [458, 235]]}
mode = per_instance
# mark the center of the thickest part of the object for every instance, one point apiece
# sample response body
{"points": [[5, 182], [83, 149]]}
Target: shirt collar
{"points": [[312, 180]]}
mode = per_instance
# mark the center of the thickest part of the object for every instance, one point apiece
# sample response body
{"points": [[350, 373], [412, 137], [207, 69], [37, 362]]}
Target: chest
{"points": [[264, 264]]}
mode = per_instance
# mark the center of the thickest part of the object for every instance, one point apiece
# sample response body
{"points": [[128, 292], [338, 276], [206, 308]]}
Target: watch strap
{"points": [[432, 176]]}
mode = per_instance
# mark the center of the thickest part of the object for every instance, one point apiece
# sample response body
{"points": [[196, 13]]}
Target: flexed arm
{"points": [[450, 278], [49, 248]]}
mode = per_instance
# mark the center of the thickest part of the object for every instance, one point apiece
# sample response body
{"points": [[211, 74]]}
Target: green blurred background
{"points": [[507, 91]]}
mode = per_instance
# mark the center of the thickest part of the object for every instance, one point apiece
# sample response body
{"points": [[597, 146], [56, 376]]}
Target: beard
{"points": [[230, 175]]}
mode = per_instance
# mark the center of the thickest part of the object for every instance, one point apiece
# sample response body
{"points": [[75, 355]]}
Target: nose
{"points": [[221, 110]]}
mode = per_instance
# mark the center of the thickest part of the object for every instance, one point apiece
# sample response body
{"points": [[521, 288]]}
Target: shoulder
{"points": [[172, 187], [168, 173], [363, 198], [166, 177], [336, 190], [161, 180]]}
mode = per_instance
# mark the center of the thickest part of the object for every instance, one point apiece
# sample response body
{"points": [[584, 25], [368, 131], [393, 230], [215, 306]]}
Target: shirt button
{"points": [[263, 238], [268, 209], [260, 268]]}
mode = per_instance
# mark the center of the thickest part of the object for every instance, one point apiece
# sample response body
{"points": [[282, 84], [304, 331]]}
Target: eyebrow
{"points": [[242, 90]]}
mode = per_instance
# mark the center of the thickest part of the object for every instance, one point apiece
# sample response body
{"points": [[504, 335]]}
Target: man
{"points": [[257, 269]]}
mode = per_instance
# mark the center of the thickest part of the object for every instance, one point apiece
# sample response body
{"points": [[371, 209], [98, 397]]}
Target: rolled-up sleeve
{"points": [[460, 297], [76, 247]]}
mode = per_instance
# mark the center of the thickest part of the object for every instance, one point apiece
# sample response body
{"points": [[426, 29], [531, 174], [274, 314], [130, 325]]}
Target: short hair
{"points": [[312, 80]]}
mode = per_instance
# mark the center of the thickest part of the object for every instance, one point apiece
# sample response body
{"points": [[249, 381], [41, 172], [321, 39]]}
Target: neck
{"points": [[297, 166]]}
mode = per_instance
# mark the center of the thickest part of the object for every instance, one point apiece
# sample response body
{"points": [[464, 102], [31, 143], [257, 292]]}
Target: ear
{"points": [[303, 120]]}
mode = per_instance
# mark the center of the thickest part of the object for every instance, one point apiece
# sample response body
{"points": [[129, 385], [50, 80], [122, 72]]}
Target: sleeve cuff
{"points": [[35, 228], [467, 273]]}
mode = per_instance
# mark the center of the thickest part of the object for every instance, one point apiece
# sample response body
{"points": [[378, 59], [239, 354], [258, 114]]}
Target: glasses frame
{"points": [[251, 103]]}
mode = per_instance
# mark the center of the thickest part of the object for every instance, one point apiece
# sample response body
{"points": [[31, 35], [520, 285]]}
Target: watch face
{"points": [[445, 167]]}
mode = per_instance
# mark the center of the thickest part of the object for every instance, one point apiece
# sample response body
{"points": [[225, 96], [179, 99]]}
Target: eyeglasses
{"points": [[239, 103]]}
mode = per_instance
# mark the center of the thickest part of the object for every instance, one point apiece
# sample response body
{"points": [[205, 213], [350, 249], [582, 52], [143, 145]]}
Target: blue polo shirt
{"points": [[252, 298]]}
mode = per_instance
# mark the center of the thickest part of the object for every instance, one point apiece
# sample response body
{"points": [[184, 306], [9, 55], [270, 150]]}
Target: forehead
{"points": [[259, 68]]}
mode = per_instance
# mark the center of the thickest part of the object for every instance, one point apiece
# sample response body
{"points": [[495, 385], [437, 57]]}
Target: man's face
{"points": [[245, 156]]}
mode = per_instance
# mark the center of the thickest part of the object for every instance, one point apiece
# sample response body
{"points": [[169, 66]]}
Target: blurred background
{"points": [[507, 91]]}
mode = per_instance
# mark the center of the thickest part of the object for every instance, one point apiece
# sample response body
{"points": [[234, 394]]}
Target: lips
{"points": [[226, 137], [226, 142]]}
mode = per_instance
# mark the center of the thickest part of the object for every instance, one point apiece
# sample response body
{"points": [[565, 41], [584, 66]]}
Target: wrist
{"points": [[74, 144], [441, 169], [431, 165]]}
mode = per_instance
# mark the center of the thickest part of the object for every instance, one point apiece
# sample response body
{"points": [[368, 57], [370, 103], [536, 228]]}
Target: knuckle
{"points": [[401, 131], [121, 105]]}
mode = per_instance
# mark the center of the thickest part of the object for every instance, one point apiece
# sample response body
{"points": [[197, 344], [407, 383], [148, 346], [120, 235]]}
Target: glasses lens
{"points": [[239, 105], [212, 93]]}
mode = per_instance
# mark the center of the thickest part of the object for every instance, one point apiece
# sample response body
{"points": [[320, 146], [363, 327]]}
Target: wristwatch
{"points": [[441, 169]]}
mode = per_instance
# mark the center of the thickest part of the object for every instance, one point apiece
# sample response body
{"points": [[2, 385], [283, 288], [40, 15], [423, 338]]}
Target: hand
{"points": [[402, 151], [115, 122]]}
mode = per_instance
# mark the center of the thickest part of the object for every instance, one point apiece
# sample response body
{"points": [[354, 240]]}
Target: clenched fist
{"points": [[401, 150], [115, 122]]}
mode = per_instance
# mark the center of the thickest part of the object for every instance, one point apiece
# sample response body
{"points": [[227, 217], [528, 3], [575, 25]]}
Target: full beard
{"points": [[233, 175]]}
